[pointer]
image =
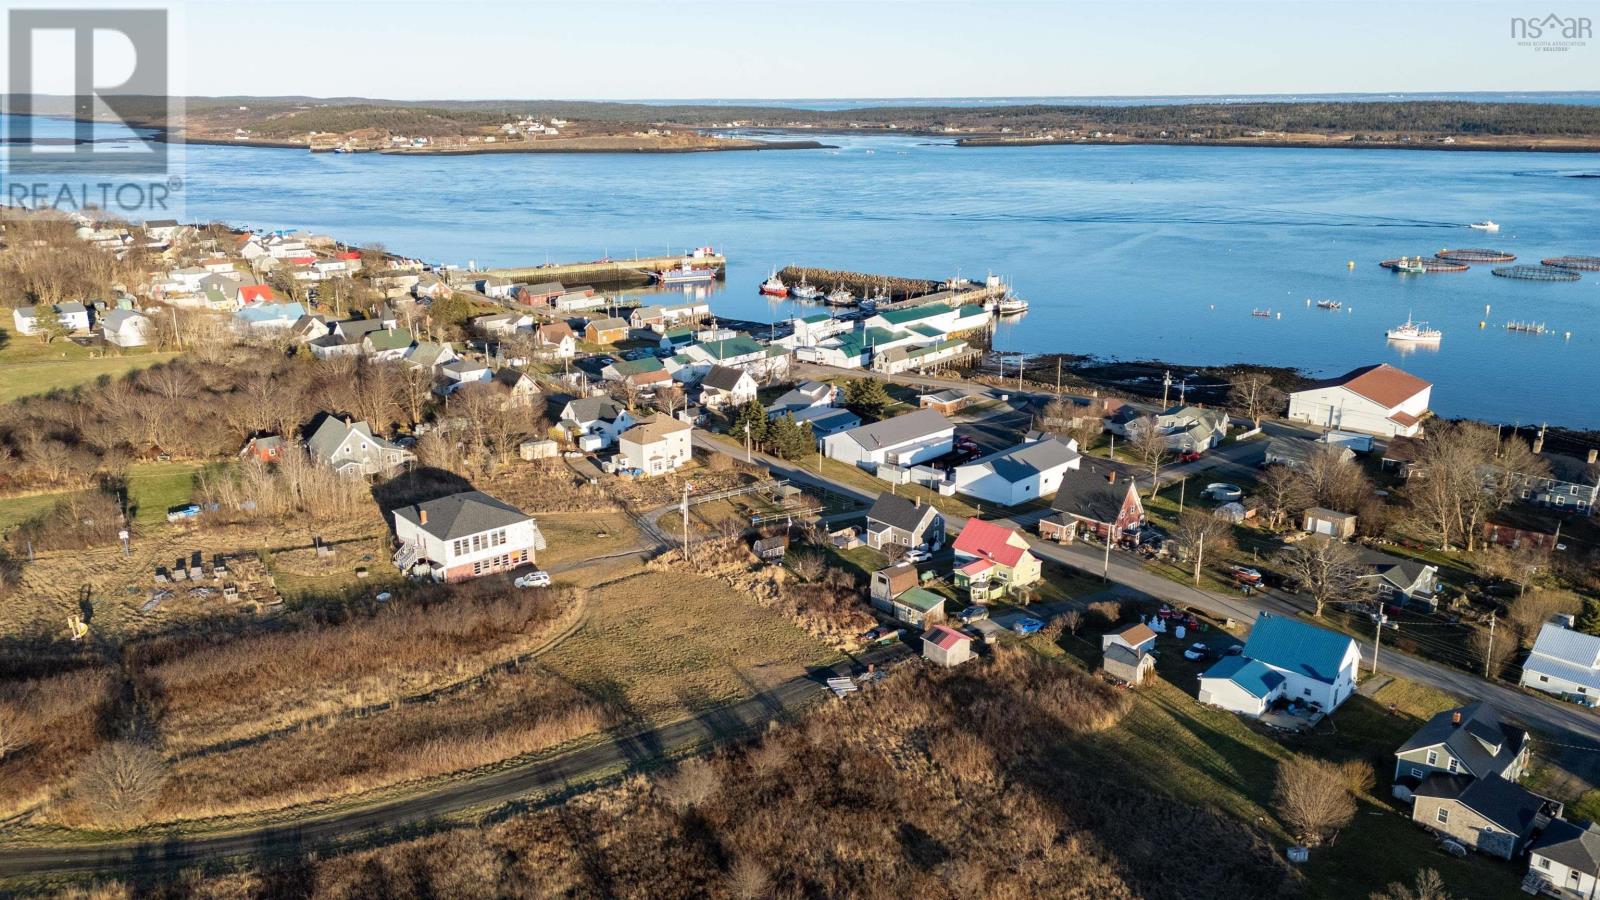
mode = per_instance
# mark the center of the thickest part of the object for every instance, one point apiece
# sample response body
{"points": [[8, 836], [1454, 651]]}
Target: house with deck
{"points": [[1490, 814], [1286, 659], [1564, 861], [464, 536], [993, 561]]}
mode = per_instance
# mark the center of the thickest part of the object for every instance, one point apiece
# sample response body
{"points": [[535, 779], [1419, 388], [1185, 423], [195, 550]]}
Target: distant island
{"points": [[493, 126]]}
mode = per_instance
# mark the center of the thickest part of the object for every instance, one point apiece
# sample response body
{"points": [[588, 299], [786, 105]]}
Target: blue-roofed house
{"points": [[1241, 685], [1312, 665], [270, 316]]}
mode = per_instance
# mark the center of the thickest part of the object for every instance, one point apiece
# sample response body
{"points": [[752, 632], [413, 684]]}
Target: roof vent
{"points": [[1455, 718], [422, 516]]}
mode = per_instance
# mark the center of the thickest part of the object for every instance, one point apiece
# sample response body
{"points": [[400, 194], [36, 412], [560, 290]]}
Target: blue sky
{"points": [[611, 50]]}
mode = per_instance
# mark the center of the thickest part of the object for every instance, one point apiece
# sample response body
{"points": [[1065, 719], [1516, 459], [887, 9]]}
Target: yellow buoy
{"points": [[1482, 325], [1350, 265]]}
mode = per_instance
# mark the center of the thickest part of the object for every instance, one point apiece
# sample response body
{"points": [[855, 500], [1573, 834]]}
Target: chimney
{"points": [[1594, 456], [422, 516], [1538, 442], [1455, 718], [1111, 476]]}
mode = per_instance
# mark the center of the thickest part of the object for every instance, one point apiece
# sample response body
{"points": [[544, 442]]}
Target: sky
{"points": [[679, 49]]}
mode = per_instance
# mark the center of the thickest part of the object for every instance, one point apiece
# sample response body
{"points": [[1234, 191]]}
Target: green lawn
{"points": [[153, 488], [28, 366], [16, 510], [1170, 743]]}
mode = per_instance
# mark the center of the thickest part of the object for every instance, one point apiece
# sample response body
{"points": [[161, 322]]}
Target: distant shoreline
{"points": [[984, 142]]}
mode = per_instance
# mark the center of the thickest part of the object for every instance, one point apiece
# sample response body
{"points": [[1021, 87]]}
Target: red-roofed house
{"points": [[946, 646], [992, 561], [256, 293], [1378, 399]]}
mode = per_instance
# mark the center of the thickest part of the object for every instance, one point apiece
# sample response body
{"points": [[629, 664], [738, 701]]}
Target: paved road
{"points": [[1561, 721], [626, 751]]}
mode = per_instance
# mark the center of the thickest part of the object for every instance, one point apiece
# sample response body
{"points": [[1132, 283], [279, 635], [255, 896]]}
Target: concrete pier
{"points": [[612, 273]]}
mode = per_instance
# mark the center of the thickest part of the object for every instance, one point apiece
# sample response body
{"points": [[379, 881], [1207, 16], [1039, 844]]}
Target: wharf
{"points": [[902, 292], [608, 273]]}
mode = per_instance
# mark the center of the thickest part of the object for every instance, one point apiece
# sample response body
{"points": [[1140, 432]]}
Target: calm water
{"points": [[1125, 252]]}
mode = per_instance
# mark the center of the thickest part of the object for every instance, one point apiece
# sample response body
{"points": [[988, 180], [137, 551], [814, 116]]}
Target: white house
{"points": [[724, 387], [803, 396], [1566, 858], [127, 328], [1564, 662], [1284, 658], [1018, 474], [903, 440], [594, 422], [655, 446], [72, 315], [1378, 399], [464, 536]]}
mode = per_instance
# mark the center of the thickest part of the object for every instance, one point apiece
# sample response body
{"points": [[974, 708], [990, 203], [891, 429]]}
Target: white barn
{"points": [[1378, 399], [903, 441]]}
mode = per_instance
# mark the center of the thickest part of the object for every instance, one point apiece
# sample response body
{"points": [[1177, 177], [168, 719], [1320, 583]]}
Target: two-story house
{"points": [[1288, 659], [464, 536], [992, 561], [655, 446], [1468, 740], [895, 521], [594, 423], [350, 448]]}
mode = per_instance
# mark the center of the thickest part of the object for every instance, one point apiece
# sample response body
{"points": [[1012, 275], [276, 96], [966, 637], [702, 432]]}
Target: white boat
{"points": [[839, 296], [805, 290], [1414, 332], [1010, 304], [1485, 225]]}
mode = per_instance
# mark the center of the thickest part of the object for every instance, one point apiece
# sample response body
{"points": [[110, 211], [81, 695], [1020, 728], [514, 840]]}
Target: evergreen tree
{"points": [[1588, 620], [866, 397], [752, 415], [789, 440]]}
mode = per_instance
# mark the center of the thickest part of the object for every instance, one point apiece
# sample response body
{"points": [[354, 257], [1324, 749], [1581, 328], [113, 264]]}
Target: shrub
{"points": [[118, 782]]}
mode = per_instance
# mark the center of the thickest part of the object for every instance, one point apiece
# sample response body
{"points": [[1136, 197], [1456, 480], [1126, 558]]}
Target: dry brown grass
{"points": [[213, 694], [898, 792], [62, 719], [515, 713]]}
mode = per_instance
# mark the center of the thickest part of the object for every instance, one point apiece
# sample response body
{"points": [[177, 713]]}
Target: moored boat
{"points": [[1414, 332], [840, 296], [774, 286], [1261, 313], [686, 272], [805, 290], [1485, 225], [1329, 304]]}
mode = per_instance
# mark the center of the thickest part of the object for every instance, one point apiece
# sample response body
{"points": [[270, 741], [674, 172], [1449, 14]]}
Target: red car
{"points": [[1189, 457]]}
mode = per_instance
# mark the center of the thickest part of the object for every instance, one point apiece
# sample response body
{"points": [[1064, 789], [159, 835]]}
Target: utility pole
{"points": [[1489, 654], [1166, 382], [1058, 378], [747, 442], [1020, 357], [686, 555], [1183, 484], [1377, 637], [1105, 567]]}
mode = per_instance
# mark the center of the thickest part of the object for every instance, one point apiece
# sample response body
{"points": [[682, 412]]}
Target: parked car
{"points": [[1026, 625], [1197, 650], [918, 556], [540, 578], [1189, 456], [974, 613], [1245, 574], [883, 634]]}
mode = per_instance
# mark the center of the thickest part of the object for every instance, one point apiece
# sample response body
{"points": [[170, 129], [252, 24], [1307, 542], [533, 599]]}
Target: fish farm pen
{"points": [[1424, 264], [1536, 273], [1476, 255], [1576, 263]]}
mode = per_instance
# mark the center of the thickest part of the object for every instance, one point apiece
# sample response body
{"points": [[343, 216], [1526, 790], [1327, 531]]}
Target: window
{"points": [[1443, 816], [1455, 764], [460, 547], [1308, 692], [1416, 773], [1433, 757], [1544, 863], [1583, 690], [1544, 678]]}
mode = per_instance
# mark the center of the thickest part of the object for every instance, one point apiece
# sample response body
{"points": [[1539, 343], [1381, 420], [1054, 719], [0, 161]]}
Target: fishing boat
{"points": [[1329, 304], [805, 290], [1414, 332], [1410, 265], [879, 298], [840, 296], [1261, 313], [1485, 225], [1010, 305], [686, 272], [774, 286]]}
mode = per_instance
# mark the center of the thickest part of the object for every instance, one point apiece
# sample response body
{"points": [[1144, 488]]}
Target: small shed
{"points": [[539, 449], [918, 607], [890, 583], [1127, 665], [946, 646], [1330, 523], [1138, 638], [772, 547]]}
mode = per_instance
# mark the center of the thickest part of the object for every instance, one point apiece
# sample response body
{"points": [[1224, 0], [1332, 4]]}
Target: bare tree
{"points": [[1254, 393], [1429, 886], [1071, 620], [1452, 495], [119, 781], [748, 880], [1200, 531], [1313, 798], [1329, 571], [1108, 612], [1285, 493], [695, 782], [1529, 612], [1150, 449]]}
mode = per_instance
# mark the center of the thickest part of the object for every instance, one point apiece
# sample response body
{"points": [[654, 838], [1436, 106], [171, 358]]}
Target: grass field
{"points": [[661, 645], [1216, 759], [153, 488], [30, 367]]}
